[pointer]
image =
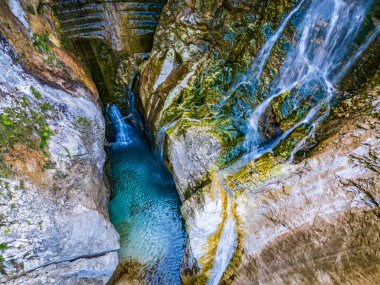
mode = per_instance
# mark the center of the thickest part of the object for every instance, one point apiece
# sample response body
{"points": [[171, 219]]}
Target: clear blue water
{"points": [[145, 207]]}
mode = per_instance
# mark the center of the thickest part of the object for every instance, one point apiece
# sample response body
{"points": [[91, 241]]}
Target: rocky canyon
{"points": [[189, 142]]}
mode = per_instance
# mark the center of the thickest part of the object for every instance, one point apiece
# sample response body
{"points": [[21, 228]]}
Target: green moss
{"points": [[45, 107], [1, 265], [68, 152], [256, 172], [41, 43], [42, 129], [228, 61], [40, 8], [52, 60], [35, 93], [30, 9], [284, 150], [23, 125], [5, 120], [83, 121], [4, 171], [65, 41], [25, 102]]}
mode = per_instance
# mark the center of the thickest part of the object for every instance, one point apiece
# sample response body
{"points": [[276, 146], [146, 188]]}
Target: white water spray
{"points": [[324, 39], [124, 133]]}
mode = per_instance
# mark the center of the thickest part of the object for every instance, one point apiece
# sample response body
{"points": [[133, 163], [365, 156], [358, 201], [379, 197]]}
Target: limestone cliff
{"points": [[305, 211], [54, 225]]}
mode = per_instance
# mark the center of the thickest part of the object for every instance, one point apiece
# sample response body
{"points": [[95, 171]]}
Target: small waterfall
{"points": [[225, 251], [253, 75], [18, 12], [323, 53], [161, 136], [227, 241], [123, 132], [324, 41]]}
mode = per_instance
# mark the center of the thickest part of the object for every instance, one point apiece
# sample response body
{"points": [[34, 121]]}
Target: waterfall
{"points": [[123, 132], [225, 251], [324, 42], [253, 75], [323, 52], [161, 136], [228, 239], [18, 12]]}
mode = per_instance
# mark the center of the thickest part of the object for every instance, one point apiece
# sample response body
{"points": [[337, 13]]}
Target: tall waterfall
{"points": [[324, 48], [123, 132]]}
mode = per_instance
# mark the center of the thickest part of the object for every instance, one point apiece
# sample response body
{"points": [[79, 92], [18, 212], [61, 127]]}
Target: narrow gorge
{"points": [[189, 142]]}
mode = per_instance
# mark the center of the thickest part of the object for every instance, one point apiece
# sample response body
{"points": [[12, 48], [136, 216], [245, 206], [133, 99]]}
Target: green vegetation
{"points": [[30, 9], [23, 125], [65, 41], [41, 43], [3, 247], [83, 122], [36, 93], [209, 98], [40, 8]]}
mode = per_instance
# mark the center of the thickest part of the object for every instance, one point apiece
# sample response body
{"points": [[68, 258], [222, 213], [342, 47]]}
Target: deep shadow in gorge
{"points": [[112, 39]]}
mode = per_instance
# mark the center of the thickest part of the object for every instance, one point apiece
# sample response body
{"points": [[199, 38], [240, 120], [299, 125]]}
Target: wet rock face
{"points": [[200, 50], [53, 195], [105, 33], [192, 156], [316, 222]]}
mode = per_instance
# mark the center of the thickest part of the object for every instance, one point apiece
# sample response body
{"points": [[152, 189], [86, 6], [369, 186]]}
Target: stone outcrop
{"points": [[54, 198], [313, 221]]}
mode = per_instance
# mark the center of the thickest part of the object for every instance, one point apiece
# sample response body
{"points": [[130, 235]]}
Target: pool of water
{"points": [[145, 207]]}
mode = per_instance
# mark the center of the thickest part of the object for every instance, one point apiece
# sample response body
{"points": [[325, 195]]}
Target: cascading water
{"points": [[252, 77], [324, 42], [324, 50], [144, 208], [123, 132]]}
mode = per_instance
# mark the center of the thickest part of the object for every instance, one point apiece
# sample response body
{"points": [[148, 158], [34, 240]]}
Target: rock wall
{"points": [[110, 37], [54, 198], [314, 221]]}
